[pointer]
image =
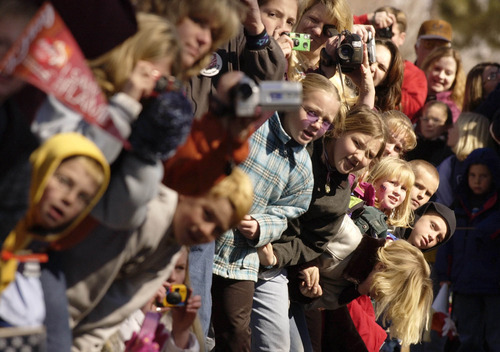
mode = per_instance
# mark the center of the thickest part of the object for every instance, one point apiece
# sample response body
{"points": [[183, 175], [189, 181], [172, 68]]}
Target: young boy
{"points": [[434, 225], [470, 260], [69, 175], [111, 273], [426, 182]]}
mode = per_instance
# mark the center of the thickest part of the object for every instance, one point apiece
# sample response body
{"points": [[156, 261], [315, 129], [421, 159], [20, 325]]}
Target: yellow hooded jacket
{"points": [[45, 161]]}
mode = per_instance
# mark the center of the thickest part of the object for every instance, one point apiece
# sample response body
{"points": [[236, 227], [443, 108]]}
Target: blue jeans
{"points": [[270, 323], [201, 261], [299, 334]]}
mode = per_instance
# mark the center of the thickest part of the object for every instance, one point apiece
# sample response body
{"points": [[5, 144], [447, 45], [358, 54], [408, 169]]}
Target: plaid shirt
{"points": [[281, 173]]}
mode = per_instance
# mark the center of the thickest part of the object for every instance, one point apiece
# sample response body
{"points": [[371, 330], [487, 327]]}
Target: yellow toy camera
{"points": [[177, 295]]}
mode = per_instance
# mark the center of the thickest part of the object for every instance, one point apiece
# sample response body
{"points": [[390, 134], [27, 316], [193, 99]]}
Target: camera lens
{"points": [[245, 90], [174, 298], [345, 52], [384, 32]]}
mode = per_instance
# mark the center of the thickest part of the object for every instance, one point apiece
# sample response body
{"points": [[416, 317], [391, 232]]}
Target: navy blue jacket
{"points": [[471, 259]]}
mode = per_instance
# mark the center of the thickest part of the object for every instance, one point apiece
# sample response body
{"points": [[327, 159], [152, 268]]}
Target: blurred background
{"points": [[476, 24]]}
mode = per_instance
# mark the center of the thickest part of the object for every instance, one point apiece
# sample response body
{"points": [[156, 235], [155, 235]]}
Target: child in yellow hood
{"points": [[69, 176]]}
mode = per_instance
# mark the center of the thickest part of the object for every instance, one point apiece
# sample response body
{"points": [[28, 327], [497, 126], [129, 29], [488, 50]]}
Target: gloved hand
{"points": [[162, 126], [449, 328]]}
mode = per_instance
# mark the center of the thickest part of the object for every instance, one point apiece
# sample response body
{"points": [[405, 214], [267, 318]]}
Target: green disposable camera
{"points": [[301, 41]]}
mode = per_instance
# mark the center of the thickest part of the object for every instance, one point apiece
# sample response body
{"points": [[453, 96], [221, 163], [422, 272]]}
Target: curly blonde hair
{"points": [[403, 290]]}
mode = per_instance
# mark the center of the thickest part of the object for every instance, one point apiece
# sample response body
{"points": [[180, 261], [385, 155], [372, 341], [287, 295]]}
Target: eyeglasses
{"points": [[313, 117], [492, 76]]}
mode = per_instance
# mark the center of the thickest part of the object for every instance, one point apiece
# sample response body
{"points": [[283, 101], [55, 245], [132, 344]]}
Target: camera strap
{"points": [[339, 70]]}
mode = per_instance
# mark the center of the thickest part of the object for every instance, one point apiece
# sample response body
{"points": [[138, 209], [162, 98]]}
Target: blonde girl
{"points": [[155, 42], [393, 180], [402, 290], [394, 274]]}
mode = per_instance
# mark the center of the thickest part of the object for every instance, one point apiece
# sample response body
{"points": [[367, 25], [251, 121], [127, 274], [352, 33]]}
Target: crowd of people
{"points": [[326, 220]]}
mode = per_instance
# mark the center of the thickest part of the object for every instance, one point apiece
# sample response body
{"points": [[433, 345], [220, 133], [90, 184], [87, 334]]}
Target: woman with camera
{"points": [[323, 20]]}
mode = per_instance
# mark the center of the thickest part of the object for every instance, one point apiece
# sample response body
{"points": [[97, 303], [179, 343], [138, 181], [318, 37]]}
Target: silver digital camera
{"points": [[370, 47], [269, 95]]}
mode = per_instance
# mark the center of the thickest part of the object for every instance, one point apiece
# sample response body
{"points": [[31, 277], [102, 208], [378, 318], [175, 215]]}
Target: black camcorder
{"points": [[385, 32], [349, 53]]}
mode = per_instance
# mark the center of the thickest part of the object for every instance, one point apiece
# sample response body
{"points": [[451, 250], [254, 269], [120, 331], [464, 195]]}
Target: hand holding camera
{"points": [[301, 41], [348, 50], [176, 295]]}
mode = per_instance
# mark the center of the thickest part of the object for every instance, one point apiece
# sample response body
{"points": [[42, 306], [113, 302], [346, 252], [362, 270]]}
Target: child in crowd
{"points": [[321, 102], [180, 324], [133, 264], [127, 74], [69, 175], [426, 182], [402, 137], [482, 79], [470, 260], [471, 131], [280, 168], [445, 78], [432, 130], [339, 153], [392, 180], [434, 225], [394, 273]]}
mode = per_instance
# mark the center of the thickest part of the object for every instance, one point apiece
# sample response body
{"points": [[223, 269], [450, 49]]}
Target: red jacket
{"points": [[413, 91], [363, 317]]}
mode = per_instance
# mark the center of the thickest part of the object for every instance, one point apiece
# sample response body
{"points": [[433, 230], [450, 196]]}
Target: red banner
{"points": [[48, 57]]}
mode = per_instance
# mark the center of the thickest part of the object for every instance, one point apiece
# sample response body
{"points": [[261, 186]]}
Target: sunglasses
{"points": [[312, 117]]}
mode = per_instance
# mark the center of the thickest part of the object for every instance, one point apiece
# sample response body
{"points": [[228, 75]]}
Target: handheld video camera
{"points": [[384, 32], [301, 41], [177, 295], [370, 48], [269, 95], [349, 53]]}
